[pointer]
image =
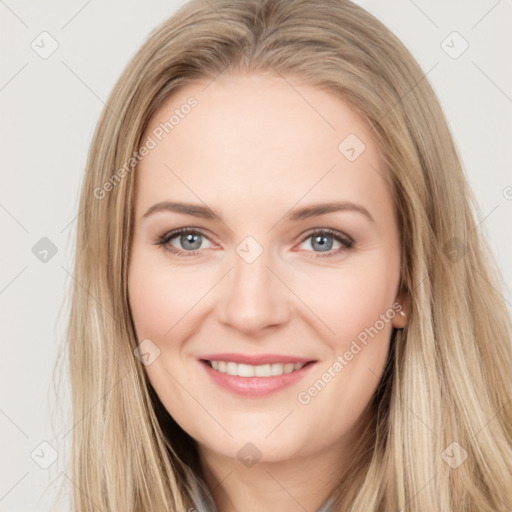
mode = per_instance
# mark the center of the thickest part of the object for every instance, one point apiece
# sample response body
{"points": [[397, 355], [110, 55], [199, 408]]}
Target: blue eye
{"points": [[190, 241], [323, 241]]}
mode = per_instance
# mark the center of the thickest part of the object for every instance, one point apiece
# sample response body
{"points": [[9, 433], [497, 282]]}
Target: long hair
{"points": [[441, 436]]}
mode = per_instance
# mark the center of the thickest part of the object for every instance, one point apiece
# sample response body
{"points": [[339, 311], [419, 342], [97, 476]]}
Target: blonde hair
{"points": [[448, 375]]}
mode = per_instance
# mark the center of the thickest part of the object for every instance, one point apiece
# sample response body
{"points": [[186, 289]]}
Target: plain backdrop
{"points": [[50, 106]]}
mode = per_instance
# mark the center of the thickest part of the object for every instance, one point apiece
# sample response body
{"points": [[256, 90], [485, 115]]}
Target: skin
{"points": [[253, 149]]}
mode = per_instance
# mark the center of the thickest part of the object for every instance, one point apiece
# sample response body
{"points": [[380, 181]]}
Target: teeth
{"points": [[248, 370], [243, 370]]}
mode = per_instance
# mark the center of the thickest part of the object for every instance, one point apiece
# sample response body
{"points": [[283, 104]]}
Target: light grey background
{"points": [[50, 107]]}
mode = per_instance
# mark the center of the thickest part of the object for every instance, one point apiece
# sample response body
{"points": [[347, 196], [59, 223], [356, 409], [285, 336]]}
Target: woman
{"points": [[334, 338]]}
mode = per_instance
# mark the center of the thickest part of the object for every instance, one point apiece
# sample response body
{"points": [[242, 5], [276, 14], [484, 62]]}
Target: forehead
{"points": [[249, 137]]}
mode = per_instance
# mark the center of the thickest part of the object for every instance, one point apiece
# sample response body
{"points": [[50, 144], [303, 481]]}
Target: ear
{"points": [[403, 309]]}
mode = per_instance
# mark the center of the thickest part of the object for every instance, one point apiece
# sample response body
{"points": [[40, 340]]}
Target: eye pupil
{"points": [[323, 245], [189, 238]]}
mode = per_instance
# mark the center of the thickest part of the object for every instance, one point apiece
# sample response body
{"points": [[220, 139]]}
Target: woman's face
{"points": [[292, 258]]}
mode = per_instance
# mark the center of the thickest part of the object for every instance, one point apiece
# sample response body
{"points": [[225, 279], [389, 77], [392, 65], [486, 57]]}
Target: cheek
{"points": [[161, 296], [161, 300], [151, 303], [351, 299], [356, 304]]}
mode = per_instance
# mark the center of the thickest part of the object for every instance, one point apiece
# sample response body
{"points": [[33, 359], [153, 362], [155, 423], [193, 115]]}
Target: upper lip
{"points": [[257, 359]]}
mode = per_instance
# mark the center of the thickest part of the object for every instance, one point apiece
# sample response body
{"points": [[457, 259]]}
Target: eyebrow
{"points": [[298, 214]]}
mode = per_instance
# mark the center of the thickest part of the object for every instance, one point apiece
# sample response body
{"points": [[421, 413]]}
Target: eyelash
{"points": [[164, 241]]}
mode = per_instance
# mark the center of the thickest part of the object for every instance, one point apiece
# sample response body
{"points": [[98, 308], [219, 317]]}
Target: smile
{"points": [[255, 376], [249, 370]]}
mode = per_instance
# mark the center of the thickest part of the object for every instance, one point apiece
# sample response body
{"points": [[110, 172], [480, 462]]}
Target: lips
{"points": [[255, 375]]}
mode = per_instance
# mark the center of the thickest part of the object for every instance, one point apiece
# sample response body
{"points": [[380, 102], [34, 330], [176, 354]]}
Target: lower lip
{"points": [[255, 386]]}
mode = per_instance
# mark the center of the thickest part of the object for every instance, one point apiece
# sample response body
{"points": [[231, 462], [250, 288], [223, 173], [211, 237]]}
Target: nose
{"points": [[253, 297]]}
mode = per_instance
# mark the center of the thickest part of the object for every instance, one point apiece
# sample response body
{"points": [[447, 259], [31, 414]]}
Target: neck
{"points": [[298, 483], [291, 485]]}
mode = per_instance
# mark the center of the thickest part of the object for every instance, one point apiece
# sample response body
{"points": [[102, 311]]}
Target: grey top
{"points": [[207, 504]]}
